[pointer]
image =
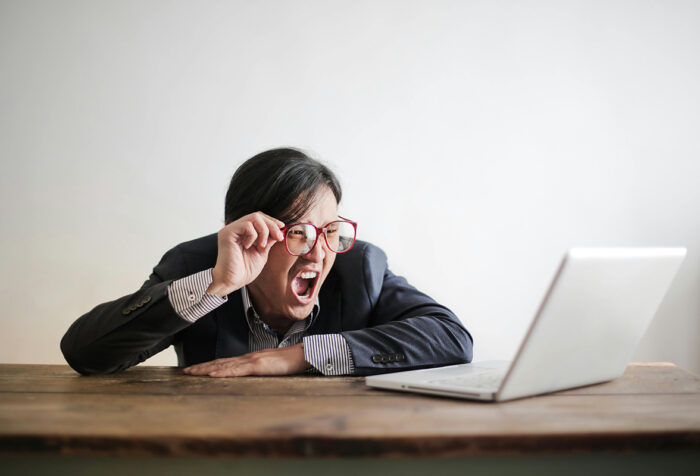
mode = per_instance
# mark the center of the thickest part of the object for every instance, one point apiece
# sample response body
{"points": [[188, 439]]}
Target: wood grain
{"points": [[159, 411]]}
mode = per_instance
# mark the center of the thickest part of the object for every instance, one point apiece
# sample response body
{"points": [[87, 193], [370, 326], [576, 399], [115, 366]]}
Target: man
{"points": [[281, 289]]}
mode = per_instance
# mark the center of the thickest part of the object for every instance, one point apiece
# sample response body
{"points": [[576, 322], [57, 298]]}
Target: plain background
{"points": [[476, 141]]}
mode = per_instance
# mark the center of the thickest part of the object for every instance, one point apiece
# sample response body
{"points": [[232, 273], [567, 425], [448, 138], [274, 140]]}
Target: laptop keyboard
{"points": [[482, 380]]}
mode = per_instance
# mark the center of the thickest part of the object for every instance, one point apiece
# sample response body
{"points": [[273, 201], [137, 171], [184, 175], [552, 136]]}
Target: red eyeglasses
{"points": [[300, 238]]}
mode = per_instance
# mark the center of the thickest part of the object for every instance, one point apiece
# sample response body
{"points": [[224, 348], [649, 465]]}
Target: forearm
{"points": [[121, 333], [407, 329], [411, 343]]}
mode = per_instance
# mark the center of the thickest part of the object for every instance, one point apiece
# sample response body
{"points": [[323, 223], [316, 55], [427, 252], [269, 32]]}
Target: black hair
{"points": [[282, 183]]}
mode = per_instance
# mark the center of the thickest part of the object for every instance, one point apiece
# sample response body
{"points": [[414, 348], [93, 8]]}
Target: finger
{"points": [[238, 370], [263, 231], [269, 246], [205, 368], [249, 235], [277, 223], [197, 370], [274, 229], [226, 367], [267, 218]]}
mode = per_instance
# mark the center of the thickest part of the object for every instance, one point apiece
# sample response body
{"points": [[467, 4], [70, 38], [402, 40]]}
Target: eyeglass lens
{"points": [[340, 236]]}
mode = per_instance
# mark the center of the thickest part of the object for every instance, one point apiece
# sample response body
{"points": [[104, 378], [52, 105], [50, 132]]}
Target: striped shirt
{"points": [[327, 353]]}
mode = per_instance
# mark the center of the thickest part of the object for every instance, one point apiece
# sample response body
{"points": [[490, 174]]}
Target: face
{"points": [[281, 295]]}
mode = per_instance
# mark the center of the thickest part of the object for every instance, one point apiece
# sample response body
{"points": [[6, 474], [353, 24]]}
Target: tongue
{"points": [[300, 285]]}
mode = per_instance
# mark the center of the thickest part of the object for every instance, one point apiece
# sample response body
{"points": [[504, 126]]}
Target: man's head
{"points": [[292, 187], [282, 183]]}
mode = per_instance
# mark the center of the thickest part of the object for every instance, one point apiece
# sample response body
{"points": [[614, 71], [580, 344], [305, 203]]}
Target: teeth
{"points": [[309, 275]]}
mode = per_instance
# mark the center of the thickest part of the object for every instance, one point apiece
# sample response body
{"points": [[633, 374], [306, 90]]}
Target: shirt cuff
{"points": [[329, 354], [189, 297]]}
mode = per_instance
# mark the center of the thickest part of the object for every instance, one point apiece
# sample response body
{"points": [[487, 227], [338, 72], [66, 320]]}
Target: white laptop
{"points": [[595, 312]]}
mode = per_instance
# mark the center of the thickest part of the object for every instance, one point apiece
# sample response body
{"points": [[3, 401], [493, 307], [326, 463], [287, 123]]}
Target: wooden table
{"points": [[158, 411]]}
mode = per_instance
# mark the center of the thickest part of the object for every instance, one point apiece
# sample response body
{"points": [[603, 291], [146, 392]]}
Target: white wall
{"points": [[513, 130]]}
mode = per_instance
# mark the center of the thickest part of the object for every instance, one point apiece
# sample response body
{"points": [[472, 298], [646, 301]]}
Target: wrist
{"points": [[307, 365], [218, 290], [218, 285]]}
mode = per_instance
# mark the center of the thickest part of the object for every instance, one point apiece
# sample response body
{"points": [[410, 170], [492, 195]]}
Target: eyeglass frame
{"points": [[319, 232]]}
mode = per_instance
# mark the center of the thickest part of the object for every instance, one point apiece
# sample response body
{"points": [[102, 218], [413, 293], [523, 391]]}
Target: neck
{"points": [[278, 322], [279, 325]]}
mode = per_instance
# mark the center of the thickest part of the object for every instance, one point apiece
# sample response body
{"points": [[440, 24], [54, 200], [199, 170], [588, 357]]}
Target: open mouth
{"points": [[304, 285]]}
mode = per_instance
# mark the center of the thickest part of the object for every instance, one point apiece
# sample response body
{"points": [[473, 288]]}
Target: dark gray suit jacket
{"points": [[387, 323]]}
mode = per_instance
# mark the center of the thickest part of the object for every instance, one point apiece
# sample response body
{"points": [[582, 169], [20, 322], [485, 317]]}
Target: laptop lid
{"points": [[591, 319]]}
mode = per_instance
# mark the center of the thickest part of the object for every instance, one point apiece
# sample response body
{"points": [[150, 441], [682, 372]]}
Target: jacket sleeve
{"points": [[121, 333], [408, 330]]}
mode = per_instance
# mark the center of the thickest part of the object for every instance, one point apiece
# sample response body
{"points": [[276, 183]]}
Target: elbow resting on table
{"points": [[464, 341], [73, 357], [81, 362]]}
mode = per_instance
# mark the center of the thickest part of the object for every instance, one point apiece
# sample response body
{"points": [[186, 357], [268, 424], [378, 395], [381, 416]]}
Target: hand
{"points": [[279, 361], [243, 249]]}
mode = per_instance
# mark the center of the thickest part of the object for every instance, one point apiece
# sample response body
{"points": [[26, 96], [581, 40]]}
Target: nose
{"points": [[318, 252]]}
